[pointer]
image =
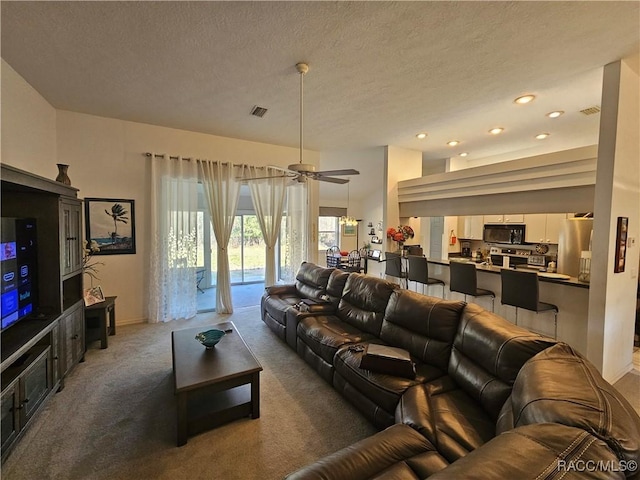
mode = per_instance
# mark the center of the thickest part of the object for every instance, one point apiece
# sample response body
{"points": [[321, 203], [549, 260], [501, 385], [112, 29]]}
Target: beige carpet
{"points": [[115, 419]]}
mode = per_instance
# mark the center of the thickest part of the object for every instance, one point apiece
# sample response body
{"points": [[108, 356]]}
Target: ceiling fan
{"points": [[301, 171]]}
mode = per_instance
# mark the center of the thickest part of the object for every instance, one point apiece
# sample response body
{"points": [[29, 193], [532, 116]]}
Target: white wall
{"points": [[28, 126], [400, 164]]}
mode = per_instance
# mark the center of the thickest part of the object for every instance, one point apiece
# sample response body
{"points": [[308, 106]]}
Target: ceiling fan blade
{"points": [[330, 179], [347, 171], [264, 178]]}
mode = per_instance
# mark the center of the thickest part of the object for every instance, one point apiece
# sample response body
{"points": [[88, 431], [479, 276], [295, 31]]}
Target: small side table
{"points": [[98, 313]]}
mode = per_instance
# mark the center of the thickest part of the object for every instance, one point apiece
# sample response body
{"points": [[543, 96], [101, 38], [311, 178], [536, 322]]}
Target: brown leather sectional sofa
{"points": [[490, 400]]}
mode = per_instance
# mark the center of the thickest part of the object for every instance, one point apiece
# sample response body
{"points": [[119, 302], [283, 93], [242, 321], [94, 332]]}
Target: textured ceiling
{"points": [[380, 72]]}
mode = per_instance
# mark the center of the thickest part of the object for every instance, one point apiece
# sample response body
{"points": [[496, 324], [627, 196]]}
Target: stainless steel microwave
{"points": [[504, 233]]}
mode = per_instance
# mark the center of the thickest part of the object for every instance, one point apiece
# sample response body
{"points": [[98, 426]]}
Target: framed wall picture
{"points": [[110, 223], [349, 230], [621, 244]]}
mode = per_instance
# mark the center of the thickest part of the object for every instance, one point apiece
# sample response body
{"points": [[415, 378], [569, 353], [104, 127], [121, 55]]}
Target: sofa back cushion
{"points": [[425, 326], [335, 286], [488, 352], [311, 280], [560, 386], [364, 300]]}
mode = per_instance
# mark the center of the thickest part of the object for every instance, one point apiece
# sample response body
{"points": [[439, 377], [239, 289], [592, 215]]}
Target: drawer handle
{"points": [[75, 337]]}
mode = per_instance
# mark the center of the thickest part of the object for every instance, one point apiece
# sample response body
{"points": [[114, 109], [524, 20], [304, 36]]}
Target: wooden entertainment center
{"points": [[39, 351]]}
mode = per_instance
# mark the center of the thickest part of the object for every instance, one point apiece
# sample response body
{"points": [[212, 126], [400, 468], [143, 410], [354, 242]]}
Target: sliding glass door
{"points": [[246, 250]]}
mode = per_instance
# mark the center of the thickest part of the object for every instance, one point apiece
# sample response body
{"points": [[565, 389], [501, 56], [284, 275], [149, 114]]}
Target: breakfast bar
{"points": [[570, 295]]}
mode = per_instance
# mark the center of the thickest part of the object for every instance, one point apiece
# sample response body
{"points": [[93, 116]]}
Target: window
{"points": [[328, 232]]}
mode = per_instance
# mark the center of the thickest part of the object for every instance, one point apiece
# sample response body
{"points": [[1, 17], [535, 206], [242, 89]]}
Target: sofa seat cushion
{"points": [[325, 334], [397, 453], [447, 416], [277, 305], [534, 452], [384, 390]]}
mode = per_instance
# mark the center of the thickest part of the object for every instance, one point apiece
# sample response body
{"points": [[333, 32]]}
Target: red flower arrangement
{"points": [[400, 234]]}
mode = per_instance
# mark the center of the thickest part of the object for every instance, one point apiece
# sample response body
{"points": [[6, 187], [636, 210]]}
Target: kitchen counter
{"points": [[573, 281]]}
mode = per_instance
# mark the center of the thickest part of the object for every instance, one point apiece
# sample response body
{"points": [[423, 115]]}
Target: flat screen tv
{"points": [[18, 262]]}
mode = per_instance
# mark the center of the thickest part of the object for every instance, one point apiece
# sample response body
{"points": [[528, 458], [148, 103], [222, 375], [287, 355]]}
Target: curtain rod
{"points": [[158, 155], [188, 159], [171, 157]]}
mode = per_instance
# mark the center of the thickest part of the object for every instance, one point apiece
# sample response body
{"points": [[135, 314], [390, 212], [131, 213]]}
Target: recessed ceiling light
{"points": [[524, 99], [453, 143], [496, 131], [542, 136], [555, 114], [464, 154], [421, 136]]}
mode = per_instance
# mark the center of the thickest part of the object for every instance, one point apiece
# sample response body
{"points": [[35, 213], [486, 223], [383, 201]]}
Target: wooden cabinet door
{"points": [[35, 385], [10, 421], [56, 354], [72, 337], [70, 236]]}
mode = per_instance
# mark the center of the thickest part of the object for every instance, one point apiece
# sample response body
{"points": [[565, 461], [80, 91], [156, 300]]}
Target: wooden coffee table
{"points": [[213, 386]]}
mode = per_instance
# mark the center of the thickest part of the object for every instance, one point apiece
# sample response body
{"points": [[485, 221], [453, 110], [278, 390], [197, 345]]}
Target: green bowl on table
{"points": [[210, 338]]}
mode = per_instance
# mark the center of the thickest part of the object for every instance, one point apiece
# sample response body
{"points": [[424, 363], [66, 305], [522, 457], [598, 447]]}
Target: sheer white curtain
{"points": [[294, 237], [221, 186], [174, 206], [268, 196]]}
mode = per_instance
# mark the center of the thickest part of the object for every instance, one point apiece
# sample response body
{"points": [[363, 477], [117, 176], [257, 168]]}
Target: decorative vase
{"points": [[62, 174]]}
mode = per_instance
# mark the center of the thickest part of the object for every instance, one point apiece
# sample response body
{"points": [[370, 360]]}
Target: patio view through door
{"points": [[246, 259]]}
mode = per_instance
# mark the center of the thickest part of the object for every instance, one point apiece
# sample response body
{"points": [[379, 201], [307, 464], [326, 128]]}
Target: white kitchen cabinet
{"points": [[470, 227], [505, 218], [514, 218], [543, 227], [535, 227], [493, 218], [555, 221]]}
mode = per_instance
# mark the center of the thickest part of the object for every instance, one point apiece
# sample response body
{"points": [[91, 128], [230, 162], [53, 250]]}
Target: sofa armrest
{"points": [[398, 449], [280, 289]]}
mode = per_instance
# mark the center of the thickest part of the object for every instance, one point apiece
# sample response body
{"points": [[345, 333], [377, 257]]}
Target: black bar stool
{"points": [[464, 279], [522, 289], [419, 272], [393, 267]]}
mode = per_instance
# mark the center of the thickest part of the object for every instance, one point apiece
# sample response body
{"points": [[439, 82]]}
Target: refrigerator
{"points": [[575, 237]]}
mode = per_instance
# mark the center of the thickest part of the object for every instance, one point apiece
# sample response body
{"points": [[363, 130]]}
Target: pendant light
{"points": [[346, 219]]}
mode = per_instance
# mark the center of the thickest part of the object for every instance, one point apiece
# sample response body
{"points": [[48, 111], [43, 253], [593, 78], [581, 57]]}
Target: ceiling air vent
{"points": [[590, 110], [258, 111]]}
